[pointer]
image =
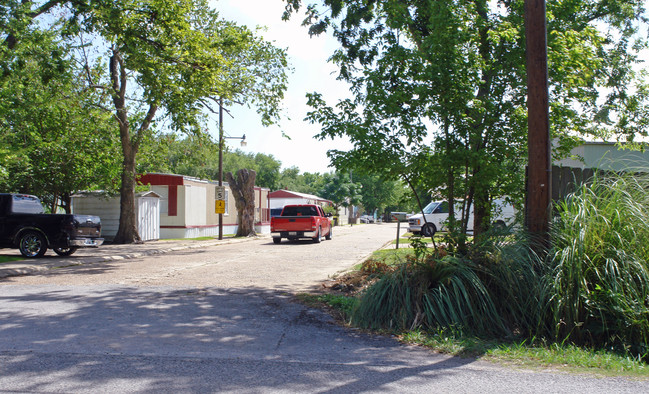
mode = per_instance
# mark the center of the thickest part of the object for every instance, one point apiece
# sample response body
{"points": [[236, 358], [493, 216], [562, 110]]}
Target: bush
{"points": [[591, 287], [433, 293], [599, 276]]}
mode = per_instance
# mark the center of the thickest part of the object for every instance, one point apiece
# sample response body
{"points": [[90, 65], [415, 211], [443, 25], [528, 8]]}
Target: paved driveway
{"points": [[221, 319]]}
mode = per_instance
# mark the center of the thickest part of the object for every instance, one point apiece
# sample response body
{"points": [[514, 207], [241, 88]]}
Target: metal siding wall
{"points": [[106, 209]]}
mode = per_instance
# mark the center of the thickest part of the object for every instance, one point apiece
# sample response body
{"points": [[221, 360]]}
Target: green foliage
{"points": [[592, 288], [378, 193], [58, 140], [454, 72], [309, 183], [430, 293], [530, 353], [514, 277], [198, 156], [340, 189], [166, 60], [342, 305], [599, 264]]}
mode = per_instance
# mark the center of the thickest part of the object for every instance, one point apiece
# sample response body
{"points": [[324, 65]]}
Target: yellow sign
{"points": [[220, 206]]}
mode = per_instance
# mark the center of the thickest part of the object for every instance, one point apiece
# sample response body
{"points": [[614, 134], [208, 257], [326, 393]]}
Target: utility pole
{"points": [[539, 178], [221, 161]]}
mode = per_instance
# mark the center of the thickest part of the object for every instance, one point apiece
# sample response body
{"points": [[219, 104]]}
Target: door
{"points": [[148, 223]]}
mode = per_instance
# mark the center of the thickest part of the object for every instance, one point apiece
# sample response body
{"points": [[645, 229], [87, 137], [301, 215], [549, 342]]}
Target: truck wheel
{"points": [[318, 235], [428, 230], [32, 244], [64, 251], [277, 240], [328, 236]]}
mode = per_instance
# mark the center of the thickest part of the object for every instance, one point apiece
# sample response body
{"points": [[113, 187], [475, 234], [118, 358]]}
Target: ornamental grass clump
{"points": [[514, 275], [429, 293], [598, 277]]}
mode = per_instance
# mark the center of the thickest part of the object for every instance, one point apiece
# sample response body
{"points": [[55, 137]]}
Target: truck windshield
{"points": [[26, 204], [428, 209], [300, 211]]}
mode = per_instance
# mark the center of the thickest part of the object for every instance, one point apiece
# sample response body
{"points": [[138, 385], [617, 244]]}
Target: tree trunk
{"points": [[481, 213], [127, 231], [243, 190], [66, 202]]}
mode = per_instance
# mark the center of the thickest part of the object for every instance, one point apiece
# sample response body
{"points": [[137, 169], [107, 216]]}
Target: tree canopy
{"points": [[158, 64], [55, 138], [440, 87]]}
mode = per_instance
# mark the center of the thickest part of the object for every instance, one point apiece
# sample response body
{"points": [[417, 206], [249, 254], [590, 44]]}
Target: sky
{"points": [[311, 73]]}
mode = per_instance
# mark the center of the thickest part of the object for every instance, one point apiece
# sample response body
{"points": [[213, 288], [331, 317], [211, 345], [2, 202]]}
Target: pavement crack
{"points": [[281, 339]]}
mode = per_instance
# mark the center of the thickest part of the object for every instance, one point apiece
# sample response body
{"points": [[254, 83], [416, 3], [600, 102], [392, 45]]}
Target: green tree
{"points": [[197, 155], [454, 72], [177, 57], [181, 58], [56, 137], [377, 193], [309, 183], [340, 190], [267, 168]]}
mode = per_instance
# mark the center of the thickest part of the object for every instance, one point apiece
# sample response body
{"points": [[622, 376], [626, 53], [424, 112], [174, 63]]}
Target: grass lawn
{"points": [[9, 259]]}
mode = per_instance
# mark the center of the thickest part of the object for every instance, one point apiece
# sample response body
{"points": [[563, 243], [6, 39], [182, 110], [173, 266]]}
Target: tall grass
{"points": [[514, 275], [590, 288], [599, 265], [430, 293]]}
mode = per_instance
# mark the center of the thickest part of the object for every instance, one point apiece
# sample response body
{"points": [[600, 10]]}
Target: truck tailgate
{"points": [[292, 223]]}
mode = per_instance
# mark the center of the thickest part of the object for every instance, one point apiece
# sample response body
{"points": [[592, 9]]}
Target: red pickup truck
{"points": [[301, 221]]}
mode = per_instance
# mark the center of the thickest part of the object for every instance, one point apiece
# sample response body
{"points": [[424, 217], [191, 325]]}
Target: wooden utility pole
{"points": [[220, 160], [539, 180]]}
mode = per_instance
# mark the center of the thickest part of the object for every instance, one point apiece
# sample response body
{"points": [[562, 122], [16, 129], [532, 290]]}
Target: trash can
{"points": [[335, 220]]}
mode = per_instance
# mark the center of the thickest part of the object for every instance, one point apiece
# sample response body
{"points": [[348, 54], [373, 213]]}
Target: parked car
{"points": [[437, 216], [301, 221], [25, 226], [366, 219]]}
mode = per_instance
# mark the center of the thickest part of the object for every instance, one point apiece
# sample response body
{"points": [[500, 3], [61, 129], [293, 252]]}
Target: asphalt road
{"points": [[221, 319]]}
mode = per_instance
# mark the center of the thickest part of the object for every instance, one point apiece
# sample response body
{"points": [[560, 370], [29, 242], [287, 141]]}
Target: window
{"points": [[300, 211], [441, 208], [26, 204]]}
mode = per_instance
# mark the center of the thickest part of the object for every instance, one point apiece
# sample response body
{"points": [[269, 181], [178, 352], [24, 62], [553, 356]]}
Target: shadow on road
{"points": [[172, 339]]}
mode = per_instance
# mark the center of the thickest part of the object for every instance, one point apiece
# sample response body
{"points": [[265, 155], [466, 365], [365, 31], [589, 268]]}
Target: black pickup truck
{"points": [[23, 225]]}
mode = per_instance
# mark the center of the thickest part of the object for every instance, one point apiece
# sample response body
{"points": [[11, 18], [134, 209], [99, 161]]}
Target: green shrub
{"points": [[599, 276], [433, 293], [513, 275]]}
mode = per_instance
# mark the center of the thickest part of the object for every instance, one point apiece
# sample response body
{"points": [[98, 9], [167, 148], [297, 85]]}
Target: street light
{"points": [[221, 142]]}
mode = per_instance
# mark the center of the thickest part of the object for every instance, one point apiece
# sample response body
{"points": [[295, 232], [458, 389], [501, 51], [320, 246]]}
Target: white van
{"points": [[437, 217]]}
